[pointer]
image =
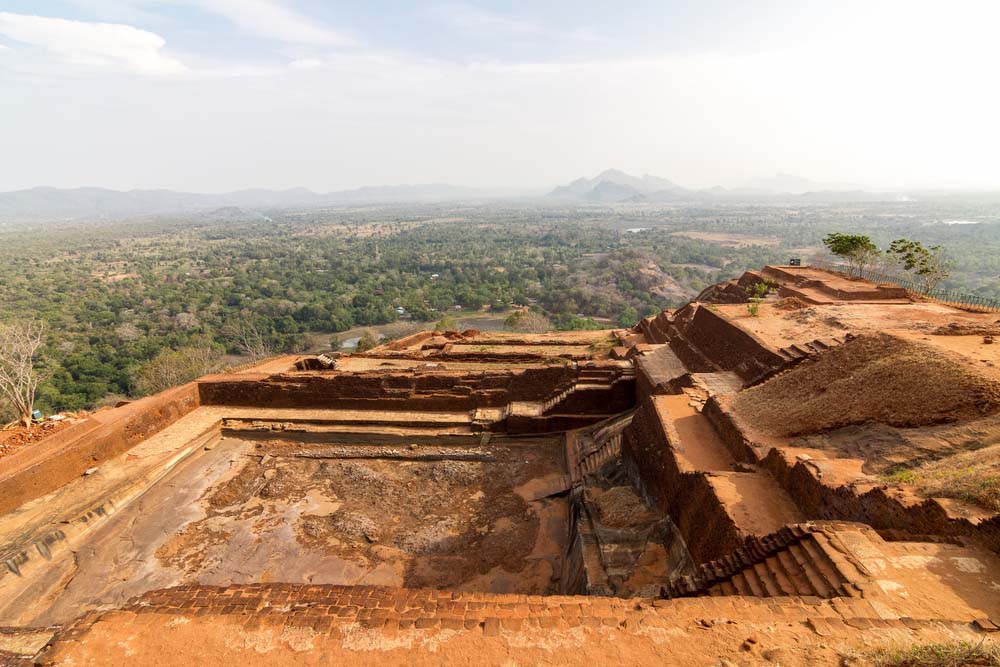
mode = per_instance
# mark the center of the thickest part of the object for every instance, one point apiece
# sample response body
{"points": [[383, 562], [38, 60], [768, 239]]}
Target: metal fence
{"points": [[950, 297]]}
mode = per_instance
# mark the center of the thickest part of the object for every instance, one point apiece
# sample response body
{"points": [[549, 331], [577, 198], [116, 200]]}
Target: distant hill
{"points": [[614, 185], [98, 203], [611, 191], [791, 184], [46, 204]]}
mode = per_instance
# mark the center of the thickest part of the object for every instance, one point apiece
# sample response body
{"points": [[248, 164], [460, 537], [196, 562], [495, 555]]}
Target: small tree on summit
{"points": [[928, 264], [856, 249]]}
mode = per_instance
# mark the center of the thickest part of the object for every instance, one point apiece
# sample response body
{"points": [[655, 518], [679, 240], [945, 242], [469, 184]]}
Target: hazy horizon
{"points": [[220, 95]]}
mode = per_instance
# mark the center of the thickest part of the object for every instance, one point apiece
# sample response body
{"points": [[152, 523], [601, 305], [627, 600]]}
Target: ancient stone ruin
{"points": [[708, 487]]}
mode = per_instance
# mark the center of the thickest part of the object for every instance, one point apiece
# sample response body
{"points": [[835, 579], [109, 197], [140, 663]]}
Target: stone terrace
{"points": [[689, 537]]}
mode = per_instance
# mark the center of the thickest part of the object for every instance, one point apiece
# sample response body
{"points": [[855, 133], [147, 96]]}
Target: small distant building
{"points": [[435, 276]]}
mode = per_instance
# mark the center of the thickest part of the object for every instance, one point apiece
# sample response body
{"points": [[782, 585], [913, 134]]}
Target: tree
{"points": [[928, 264], [19, 378], [528, 321], [629, 317], [856, 249], [250, 340], [170, 368], [367, 341], [757, 292], [128, 332], [446, 323]]}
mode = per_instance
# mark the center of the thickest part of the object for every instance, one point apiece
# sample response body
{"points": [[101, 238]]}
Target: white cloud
{"points": [[96, 44], [916, 109], [270, 19], [474, 19], [306, 63], [588, 35]]}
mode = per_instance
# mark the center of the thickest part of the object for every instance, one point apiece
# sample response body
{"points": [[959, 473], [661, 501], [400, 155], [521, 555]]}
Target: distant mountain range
{"points": [[788, 183], [610, 186], [614, 185], [95, 203]]}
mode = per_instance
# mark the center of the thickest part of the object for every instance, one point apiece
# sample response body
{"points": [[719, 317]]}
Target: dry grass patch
{"points": [[872, 378], [972, 476], [952, 654]]}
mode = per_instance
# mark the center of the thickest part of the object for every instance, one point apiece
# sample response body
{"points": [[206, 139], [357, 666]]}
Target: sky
{"points": [[218, 95]]}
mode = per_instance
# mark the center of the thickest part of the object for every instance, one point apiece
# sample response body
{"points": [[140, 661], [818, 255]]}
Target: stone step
{"points": [[845, 568], [816, 581], [770, 586], [784, 583], [794, 572], [728, 588], [788, 354], [753, 583], [739, 582], [824, 566]]}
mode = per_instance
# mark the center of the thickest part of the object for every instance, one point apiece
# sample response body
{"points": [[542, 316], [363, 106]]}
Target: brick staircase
{"points": [[794, 354], [569, 407], [589, 448], [590, 380], [796, 560]]}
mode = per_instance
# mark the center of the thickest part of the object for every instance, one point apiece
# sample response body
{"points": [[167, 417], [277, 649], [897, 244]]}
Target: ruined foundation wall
{"points": [[609, 400], [818, 500], [406, 341], [381, 389], [729, 346], [716, 410], [873, 292], [686, 497], [874, 507], [32, 472]]}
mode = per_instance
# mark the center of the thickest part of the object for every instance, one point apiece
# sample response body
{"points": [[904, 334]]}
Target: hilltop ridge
{"points": [[613, 185]]}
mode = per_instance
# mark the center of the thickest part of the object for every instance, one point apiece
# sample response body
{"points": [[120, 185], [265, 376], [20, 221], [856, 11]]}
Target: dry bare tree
{"points": [[19, 378], [250, 339], [171, 368]]}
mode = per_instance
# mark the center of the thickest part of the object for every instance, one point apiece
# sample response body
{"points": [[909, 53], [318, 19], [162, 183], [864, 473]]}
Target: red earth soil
{"points": [[13, 439]]}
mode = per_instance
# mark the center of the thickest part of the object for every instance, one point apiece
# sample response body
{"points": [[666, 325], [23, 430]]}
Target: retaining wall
{"points": [[862, 290], [404, 390], [877, 507], [686, 497], [727, 345], [39, 469]]}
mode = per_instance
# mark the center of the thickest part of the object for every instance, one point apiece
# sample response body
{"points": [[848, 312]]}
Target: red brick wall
{"points": [[440, 391]]}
